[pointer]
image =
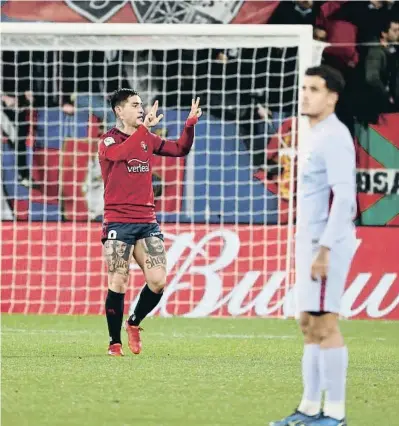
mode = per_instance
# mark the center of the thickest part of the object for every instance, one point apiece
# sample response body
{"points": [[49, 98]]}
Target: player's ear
{"points": [[332, 98], [118, 111]]}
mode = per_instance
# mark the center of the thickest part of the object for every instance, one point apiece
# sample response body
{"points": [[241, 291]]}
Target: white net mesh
{"points": [[227, 210]]}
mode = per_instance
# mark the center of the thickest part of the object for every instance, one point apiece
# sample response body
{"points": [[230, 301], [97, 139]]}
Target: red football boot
{"points": [[115, 350], [133, 334]]}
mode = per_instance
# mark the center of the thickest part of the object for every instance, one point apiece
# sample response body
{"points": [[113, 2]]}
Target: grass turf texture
{"points": [[191, 372]]}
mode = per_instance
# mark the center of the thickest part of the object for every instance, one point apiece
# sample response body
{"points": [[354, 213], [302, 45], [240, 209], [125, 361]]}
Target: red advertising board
{"points": [[213, 270]]}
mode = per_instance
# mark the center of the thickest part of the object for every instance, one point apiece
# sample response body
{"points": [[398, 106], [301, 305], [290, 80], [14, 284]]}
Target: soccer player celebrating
{"points": [[325, 245], [130, 228]]}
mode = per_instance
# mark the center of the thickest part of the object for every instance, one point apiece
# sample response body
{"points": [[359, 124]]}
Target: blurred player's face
{"points": [[131, 112], [316, 98]]}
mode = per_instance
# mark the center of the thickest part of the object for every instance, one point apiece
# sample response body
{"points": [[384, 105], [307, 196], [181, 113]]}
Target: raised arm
{"points": [[181, 147]]}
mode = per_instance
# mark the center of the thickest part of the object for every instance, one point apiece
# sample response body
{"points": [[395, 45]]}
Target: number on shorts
{"points": [[112, 235]]}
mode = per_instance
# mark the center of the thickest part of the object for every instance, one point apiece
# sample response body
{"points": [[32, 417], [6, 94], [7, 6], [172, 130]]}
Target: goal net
{"points": [[227, 210]]}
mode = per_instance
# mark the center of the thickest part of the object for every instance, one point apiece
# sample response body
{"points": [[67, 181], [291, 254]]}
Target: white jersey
{"points": [[329, 167]]}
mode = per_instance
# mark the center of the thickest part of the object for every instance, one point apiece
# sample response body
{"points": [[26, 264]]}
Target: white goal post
{"points": [[235, 231]]}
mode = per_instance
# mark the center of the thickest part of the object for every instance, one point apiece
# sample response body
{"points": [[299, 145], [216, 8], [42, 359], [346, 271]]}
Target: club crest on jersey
{"points": [[109, 141], [144, 146], [138, 166]]}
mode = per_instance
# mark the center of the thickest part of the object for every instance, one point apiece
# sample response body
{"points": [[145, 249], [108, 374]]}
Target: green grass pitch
{"points": [[192, 372]]}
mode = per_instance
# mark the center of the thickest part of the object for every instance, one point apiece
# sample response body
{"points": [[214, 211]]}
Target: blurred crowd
{"points": [[255, 87]]}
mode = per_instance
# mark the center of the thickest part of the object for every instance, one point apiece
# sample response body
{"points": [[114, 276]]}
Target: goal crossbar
{"points": [[82, 36], [155, 29]]}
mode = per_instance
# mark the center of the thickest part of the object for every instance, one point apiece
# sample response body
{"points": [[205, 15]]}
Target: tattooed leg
{"points": [[155, 253], [151, 256], [118, 255]]}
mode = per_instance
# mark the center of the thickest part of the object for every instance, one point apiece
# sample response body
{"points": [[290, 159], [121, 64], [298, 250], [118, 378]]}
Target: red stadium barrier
{"points": [[57, 268]]}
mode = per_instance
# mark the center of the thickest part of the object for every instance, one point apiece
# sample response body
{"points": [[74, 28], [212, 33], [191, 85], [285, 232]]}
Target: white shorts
{"points": [[322, 295]]}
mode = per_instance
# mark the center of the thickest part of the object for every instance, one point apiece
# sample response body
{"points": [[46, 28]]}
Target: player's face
{"points": [[131, 112], [316, 98]]}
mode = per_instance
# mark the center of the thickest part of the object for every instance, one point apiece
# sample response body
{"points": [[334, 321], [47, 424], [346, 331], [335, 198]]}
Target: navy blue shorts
{"points": [[129, 233]]}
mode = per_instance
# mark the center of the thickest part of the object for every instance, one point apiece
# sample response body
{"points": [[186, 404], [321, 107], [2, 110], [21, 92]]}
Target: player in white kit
{"points": [[325, 245]]}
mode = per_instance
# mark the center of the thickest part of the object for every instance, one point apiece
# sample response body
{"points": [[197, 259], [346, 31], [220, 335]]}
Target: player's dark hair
{"points": [[333, 78], [120, 96]]}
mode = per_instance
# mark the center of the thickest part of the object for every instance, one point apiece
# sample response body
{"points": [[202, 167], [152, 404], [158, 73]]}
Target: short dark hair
{"points": [[333, 78], [387, 22], [120, 96]]}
